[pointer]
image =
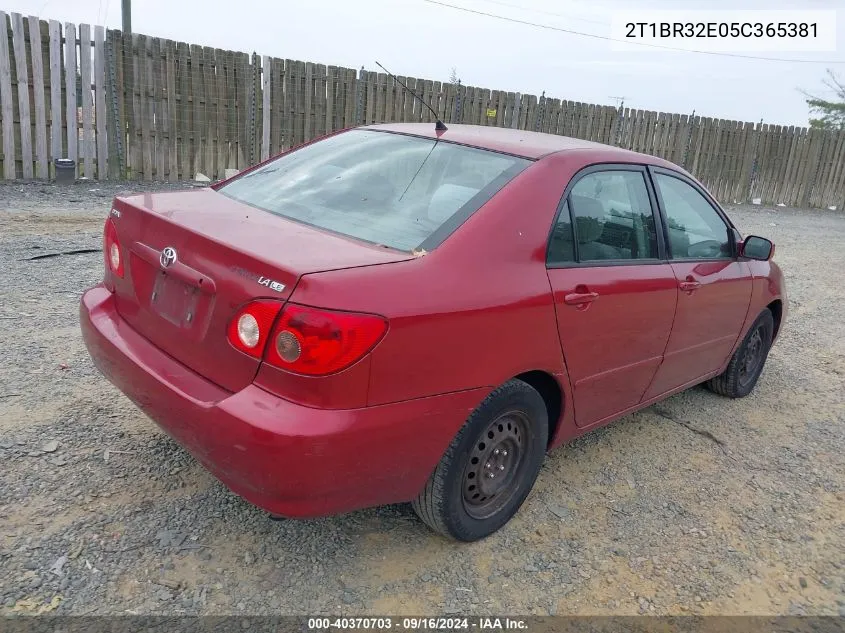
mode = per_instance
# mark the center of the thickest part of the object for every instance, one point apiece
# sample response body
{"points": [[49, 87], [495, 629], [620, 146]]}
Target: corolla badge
{"points": [[167, 257]]}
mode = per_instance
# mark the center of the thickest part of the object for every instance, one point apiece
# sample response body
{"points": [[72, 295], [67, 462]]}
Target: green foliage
{"points": [[828, 114]]}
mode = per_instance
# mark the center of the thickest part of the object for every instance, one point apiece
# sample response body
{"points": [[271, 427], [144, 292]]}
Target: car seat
{"points": [[589, 217]]}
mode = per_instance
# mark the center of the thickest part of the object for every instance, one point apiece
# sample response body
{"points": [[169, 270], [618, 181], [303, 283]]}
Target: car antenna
{"points": [[439, 125]]}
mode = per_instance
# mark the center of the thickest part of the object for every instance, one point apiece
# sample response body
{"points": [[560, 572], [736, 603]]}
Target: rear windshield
{"points": [[399, 191]]}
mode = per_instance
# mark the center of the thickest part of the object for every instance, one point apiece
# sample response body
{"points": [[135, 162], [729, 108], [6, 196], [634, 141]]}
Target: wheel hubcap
{"points": [[493, 472], [752, 357]]}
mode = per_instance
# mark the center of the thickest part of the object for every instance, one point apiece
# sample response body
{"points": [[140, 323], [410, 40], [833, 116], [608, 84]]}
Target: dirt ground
{"points": [[696, 505]]}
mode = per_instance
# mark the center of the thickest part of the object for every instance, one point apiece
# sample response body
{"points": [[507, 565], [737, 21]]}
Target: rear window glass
{"points": [[395, 190]]}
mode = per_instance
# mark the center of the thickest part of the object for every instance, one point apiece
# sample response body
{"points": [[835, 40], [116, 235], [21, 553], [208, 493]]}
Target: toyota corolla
{"points": [[398, 313]]}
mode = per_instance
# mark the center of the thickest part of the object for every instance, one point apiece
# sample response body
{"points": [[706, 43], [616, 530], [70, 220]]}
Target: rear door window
{"points": [[395, 190], [614, 220]]}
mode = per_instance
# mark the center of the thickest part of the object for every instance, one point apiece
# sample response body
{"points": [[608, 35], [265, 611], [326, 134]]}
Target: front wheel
{"points": [[742, 373], [490, 466]]}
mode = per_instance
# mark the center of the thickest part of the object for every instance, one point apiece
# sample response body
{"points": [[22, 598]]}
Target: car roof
{"points": [[532, 145]]}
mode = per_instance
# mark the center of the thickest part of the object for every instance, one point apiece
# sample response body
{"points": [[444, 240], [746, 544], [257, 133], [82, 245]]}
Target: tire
{"points": [[742, 373], [505, 436]]}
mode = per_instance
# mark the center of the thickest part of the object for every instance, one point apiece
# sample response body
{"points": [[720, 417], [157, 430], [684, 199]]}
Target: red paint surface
{"points": [[474, 312]]}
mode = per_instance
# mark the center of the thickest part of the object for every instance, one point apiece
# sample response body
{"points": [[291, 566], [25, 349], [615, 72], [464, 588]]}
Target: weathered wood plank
{"points": [[100, 108], [408, 102], [133, 82], [232, 110], [266, 75], [331, 95], [36, 47], [172, 110], [784, 190], [224, 89], [380, 97], [829, 196], [242, 83], [318, 123], [184, 112], [350, 79], [308, 100], [215, 93], [6, 108], [19, 47], [299, 103], [276, 104], [197, 148], [145, 103], [288, 116], [210, 129], [85, 76], [161, 156]]}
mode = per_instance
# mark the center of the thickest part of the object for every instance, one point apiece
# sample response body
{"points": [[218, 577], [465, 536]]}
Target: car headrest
{"points": [[448, 199], [589, 218]]}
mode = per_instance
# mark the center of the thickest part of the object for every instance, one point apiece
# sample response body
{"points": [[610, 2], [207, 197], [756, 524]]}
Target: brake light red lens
{"points": [[317, 342], [111, 249], [250, 328]]}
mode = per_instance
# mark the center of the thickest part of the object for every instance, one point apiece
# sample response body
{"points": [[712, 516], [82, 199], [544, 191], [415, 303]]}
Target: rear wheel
{"points": [[490, 466], [742, 373]]}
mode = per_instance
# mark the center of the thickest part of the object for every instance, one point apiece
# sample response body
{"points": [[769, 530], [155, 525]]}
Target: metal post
{"points": [[118, 124], [126, 12], [458, 103], [253, 96], [359, 101], [541, 111], [619, 122]]}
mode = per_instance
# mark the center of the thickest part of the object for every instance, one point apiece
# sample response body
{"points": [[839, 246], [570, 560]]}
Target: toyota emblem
{"points": [[168, 257]]}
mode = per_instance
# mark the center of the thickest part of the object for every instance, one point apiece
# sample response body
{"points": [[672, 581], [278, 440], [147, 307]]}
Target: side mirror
{"points": [[758, 248]]}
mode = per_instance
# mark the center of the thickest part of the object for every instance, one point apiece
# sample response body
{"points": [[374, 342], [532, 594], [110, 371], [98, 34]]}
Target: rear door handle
{"points": [[578, 298], [689, 285]]}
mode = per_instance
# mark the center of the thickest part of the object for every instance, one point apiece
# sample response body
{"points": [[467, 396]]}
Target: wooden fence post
{"points": [[6, 108]]}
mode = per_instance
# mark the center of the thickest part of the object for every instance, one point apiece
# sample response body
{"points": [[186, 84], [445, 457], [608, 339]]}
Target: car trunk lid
{"points": [[222, 254]]}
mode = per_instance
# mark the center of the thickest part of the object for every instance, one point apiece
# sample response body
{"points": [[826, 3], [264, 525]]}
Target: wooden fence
{"points": [[142, 108]]}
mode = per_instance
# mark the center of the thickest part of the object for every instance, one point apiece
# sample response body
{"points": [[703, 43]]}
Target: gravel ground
{"points": [[697, 505]]}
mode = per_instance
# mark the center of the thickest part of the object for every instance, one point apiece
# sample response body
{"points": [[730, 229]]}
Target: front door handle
{"points": [[579, 298], [689, 285]]}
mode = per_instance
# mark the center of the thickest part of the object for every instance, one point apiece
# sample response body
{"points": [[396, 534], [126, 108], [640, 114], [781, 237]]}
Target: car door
{"points": [[715, 287], [614, 294]]}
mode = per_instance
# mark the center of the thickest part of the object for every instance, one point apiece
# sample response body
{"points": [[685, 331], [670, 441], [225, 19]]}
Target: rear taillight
{"points": [[111, 249], [317, 342], [250, 327], [304, 340]]}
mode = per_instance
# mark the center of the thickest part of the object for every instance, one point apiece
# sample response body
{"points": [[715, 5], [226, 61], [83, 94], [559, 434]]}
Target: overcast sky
{"points": [[412, 37]]}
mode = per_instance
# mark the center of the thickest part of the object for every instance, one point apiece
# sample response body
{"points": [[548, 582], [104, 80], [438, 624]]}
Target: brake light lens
{"points": [[250, 328], [317, 342], [111, 249]]}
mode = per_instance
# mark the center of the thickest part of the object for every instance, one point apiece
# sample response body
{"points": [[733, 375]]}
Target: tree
{"points": [[829, 114], [453, 78]]}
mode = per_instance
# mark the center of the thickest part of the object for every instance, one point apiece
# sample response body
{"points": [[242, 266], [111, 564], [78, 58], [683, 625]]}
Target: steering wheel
{"points": [[707, 248]]}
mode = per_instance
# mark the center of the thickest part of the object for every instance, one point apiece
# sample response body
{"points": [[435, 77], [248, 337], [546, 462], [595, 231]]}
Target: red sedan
{"points": [[397, 313]]}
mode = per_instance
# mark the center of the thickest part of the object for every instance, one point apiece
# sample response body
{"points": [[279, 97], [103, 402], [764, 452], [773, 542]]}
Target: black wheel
{"points": [[746, 365], [490, 466]]}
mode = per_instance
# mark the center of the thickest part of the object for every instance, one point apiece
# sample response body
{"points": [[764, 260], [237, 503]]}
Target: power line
{"points": [[612, 39], [559, 15]]}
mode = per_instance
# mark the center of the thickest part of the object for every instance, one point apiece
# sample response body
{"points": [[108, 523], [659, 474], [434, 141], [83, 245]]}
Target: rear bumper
{"points": [[288, 459]]}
